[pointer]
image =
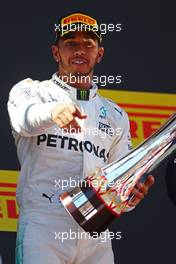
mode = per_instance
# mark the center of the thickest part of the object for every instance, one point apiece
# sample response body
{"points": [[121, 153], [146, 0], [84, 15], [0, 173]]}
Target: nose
{"points": [[79, 51]]}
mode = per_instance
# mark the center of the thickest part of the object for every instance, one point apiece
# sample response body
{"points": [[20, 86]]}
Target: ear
{"points": [[100, 54], [55, 52]]}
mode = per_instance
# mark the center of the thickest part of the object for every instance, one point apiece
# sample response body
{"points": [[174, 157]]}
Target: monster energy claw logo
{"points": [[83, 95]]}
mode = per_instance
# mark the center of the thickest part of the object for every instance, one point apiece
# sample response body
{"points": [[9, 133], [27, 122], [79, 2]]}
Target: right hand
{"points": [[64, 115]]}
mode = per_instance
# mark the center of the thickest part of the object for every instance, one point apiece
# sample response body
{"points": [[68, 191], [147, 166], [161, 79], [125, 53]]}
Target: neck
{"points": [[77, 81]]}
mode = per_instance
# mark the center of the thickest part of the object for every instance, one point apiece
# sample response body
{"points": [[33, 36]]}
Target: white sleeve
{"points": [[28, 115], [122, 143]]}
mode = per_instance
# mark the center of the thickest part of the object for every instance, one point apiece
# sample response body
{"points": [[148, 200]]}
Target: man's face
{"points": [[77, 53]]}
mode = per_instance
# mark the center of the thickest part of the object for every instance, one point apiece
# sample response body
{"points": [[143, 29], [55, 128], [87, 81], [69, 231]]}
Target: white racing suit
{"points": [[53, 161]]}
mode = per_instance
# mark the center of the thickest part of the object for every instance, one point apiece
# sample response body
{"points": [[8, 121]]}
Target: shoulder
{"points": [[24, 85], [28, 86]]}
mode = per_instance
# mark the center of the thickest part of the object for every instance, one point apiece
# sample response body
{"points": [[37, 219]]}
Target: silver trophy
{"points": [[104, 195]]}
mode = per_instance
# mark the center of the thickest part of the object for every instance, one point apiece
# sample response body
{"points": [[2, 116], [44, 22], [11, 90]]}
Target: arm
{"points": [[28, 115]]}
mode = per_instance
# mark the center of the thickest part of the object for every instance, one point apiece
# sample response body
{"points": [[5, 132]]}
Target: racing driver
{"points": [[54, 123]]}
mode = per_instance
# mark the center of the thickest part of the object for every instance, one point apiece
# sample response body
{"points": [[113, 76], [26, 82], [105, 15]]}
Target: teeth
{"points": [[78, 61]]}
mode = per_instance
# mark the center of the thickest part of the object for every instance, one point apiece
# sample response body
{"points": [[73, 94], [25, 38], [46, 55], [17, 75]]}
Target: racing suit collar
{"points": [[78, 94]]}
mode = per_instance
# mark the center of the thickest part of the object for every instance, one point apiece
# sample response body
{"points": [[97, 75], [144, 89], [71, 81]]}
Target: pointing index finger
{"points": [[78, 114]]}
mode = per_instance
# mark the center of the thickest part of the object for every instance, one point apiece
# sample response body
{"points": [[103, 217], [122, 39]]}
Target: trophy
{"points": [[103, 196]]}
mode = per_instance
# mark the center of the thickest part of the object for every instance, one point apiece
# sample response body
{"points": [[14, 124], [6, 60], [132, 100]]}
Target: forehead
{"points": [[80, 35]]}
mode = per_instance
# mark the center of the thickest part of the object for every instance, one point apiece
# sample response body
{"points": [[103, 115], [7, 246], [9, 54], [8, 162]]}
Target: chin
{"points": [[80, 70]]}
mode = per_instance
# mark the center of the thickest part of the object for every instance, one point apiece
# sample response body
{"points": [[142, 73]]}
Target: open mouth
{"points": [[79, 61]]}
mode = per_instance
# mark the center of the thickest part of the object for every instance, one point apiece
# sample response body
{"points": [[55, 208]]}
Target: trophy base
{"points": [[88, 209]]}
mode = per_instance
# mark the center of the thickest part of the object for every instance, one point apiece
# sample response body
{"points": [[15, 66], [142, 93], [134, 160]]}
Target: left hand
{"points": [[140, 191]]}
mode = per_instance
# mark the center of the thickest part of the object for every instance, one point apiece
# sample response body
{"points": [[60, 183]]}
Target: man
{"points": [[53, 123]]}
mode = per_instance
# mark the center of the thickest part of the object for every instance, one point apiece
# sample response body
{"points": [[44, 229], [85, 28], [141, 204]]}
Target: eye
{"points": [[70, 43], [89, 44]]}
